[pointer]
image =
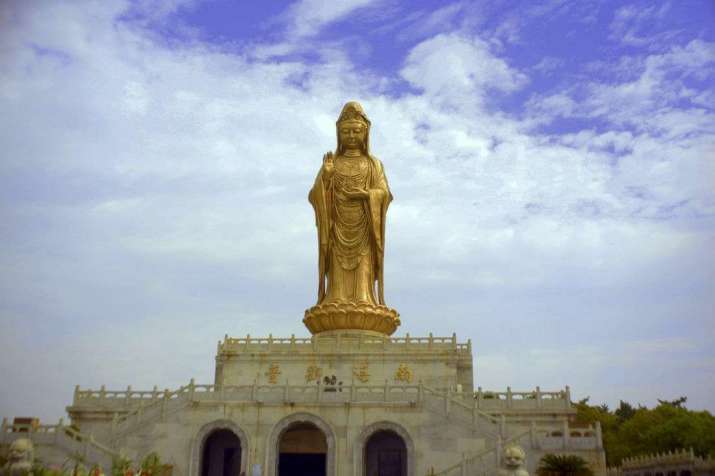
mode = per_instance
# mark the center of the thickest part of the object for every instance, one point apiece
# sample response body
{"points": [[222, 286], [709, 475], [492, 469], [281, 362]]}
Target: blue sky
{"points": [[552, 165]]}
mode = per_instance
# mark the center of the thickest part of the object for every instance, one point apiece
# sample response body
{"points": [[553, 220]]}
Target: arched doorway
{"points": [[221, 454], [385, 454], [302, 451]]}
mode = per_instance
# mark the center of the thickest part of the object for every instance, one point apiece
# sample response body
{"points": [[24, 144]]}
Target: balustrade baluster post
{"points": [[567, 392], [58, 429], [497, 452], [102, 392], [163, 404], [539, 402], [479, 397], [565, 430], [192, 389], [509, 397], [454, 341], [155, 393], [75, 397], [447, 401], [599, 435]]}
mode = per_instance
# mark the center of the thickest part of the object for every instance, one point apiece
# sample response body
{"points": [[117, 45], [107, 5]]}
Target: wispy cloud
{"points": [[154, 197]]}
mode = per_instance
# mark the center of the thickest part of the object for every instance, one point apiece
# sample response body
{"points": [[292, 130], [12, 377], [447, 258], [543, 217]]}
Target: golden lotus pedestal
{"points": [[362, 317]]}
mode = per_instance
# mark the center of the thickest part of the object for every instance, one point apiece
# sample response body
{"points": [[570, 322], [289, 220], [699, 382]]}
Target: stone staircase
{"points": [[60, 444]]}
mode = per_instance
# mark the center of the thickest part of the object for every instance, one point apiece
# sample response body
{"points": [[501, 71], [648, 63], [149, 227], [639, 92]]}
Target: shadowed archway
{"points": [[302, 451], [385, 454], [301, 444], [221, 454], [220, 448], [384, 448]]}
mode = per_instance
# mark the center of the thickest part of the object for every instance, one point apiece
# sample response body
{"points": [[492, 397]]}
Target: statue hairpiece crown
{"points": [[353, 112]]}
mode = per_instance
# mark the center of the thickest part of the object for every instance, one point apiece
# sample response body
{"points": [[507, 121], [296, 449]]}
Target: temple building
{"points": [[350, 400]]}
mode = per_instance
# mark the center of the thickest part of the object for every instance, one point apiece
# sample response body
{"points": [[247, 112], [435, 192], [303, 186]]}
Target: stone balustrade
{"points": [[681, 462], [320, 394], [533, 400], [59, 435], [344, 343], [536, 442], [488, 401], [569, 437]]}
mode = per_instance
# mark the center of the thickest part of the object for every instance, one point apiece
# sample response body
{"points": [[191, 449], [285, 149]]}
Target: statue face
{"points": [[352, 134], [20, 450], [513, 458]]}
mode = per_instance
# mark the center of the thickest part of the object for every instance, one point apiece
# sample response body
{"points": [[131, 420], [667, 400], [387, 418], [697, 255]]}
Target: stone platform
{"points": [[345, 390], [342, 359]]}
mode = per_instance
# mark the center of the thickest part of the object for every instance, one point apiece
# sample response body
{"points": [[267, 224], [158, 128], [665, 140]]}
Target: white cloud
{"points": [[150, 190], [630, 21], [308, 16], [458, 68]]}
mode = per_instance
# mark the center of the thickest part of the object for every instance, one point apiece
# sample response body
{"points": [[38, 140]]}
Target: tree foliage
{"points": [[629, 431]]}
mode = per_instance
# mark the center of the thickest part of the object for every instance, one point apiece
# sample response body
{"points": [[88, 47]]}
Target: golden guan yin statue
{"points": [[350, 198]]}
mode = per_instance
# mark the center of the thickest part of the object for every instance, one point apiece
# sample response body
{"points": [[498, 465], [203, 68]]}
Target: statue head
{"points": [[514, 457], [21, 453], [353, 128]]}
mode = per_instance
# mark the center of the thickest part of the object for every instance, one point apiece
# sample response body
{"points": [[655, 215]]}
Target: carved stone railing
{"points": [[337, 343], [534, 400], [78, 446], [484, 462], [680, 462], [131, 407], [445, 403], [115, 399]]}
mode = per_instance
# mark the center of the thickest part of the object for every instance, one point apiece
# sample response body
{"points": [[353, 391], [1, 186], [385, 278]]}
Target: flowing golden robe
{"points": [[351, 233]]}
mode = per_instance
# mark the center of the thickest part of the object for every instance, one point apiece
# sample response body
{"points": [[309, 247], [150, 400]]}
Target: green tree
{"points": [[630, 431], [563, 465], [625, 411]]}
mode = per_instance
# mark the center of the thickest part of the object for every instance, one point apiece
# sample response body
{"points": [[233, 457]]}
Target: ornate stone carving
{"points": [[20, 458], [313, 373], [360, 371], [403, 374], [513, 461], [350, 198], [273, 372]]}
